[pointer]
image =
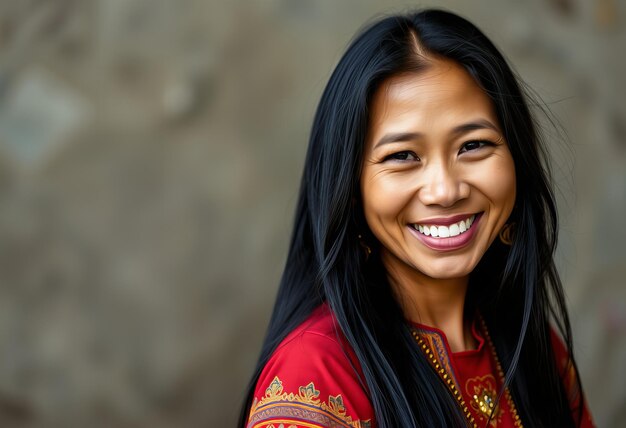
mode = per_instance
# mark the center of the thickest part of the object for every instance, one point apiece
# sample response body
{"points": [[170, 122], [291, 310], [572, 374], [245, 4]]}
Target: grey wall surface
{"points": [[150, 153]]}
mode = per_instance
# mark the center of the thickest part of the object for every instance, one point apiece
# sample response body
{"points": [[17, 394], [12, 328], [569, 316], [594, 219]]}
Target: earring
{"points": [[507, 234], [365, 247]]}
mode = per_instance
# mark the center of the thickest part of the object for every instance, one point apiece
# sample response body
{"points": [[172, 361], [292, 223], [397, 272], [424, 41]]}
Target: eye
{"points": [[471, 146], [402, 156]]}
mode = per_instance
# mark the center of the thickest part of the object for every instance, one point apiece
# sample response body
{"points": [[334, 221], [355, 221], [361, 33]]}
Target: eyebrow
{"points": [[459, 129]]}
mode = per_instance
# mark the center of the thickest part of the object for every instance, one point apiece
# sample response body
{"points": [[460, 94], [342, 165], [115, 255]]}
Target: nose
{"points": [[442, 186]]}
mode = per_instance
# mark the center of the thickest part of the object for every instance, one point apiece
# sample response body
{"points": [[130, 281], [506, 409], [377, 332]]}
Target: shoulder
{"points": [[564, 364], [569, 377], [313, 379]]}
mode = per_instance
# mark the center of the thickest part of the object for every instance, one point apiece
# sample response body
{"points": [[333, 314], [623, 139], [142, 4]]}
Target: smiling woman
{"points": [[446, 168], [420, 287], [437, 186]]}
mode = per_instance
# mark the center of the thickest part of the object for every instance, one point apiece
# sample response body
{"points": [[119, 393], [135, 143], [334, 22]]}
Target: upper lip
{"points": [[445, 221]]}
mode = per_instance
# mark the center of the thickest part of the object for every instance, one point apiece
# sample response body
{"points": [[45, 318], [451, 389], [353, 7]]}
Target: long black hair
{"points": [[516, 288]]}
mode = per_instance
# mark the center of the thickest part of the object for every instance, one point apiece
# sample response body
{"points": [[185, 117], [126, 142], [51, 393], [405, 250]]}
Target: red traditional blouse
{"points": [[314, 379]]}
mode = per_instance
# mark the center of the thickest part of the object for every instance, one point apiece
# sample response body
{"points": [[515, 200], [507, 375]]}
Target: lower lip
{"points": [[449, 244]]}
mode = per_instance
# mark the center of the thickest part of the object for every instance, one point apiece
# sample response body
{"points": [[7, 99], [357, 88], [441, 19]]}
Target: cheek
{"points": [[383, 198], [499, 184], [494, 179]]}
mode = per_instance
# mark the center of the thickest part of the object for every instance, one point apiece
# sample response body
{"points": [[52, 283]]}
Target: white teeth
{"points": [[454, 229]]}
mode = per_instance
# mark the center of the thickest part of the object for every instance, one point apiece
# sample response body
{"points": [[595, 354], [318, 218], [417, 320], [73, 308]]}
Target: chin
{"points": [[448, 274], [447, 270]]}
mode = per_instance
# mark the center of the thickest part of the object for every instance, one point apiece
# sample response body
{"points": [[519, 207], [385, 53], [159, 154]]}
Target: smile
{"points": [[445, 231]]}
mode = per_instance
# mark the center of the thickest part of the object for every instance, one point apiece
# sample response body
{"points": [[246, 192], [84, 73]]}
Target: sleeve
{"points": [[568, 374], [310, 382]]}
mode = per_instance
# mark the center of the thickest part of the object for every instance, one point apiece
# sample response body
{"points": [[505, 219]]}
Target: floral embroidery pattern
{"points": [[483, 391], [281, 426], [279, 409]]}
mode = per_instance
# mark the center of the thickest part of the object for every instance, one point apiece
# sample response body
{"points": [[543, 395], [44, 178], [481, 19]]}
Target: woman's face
{"points": [[438, 180]]}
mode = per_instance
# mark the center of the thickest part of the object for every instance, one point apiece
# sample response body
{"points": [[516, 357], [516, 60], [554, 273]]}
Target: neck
{"points": [[434, 302]]}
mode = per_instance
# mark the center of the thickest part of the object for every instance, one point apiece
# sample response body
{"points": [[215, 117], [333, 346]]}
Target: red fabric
{"points": [[475, 374], [569, 379], [313, 379]]}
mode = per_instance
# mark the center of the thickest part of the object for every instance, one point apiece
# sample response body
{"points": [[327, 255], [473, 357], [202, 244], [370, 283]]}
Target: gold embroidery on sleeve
{"points": [[305, 407]]}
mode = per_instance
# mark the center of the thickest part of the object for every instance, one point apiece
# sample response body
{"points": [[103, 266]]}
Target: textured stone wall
{"points": [[150, 153]]}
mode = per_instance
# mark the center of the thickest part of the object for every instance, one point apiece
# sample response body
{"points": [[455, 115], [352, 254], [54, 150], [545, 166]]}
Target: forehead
{"points": [[440, 96]]}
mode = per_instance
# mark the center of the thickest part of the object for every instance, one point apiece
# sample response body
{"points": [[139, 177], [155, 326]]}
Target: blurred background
{"points": [[150, 152]]}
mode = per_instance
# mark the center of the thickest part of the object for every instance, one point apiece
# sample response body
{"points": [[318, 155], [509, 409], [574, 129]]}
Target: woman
{"points": [[420, 285]]}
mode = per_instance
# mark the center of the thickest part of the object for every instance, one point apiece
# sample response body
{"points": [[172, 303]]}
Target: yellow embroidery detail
{"points": [[435, 343], [483, 391], [304, 405], [308, 393]]}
